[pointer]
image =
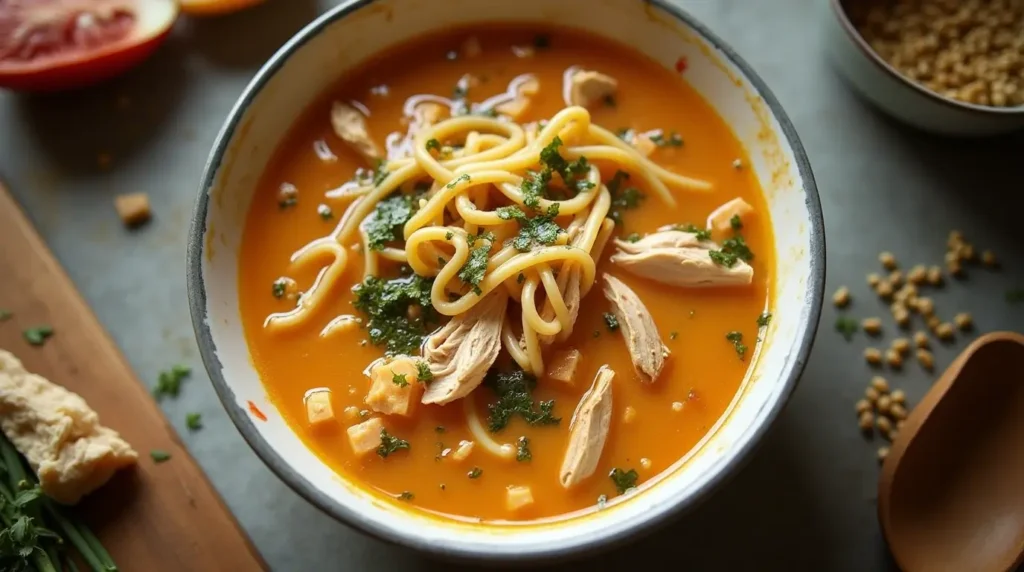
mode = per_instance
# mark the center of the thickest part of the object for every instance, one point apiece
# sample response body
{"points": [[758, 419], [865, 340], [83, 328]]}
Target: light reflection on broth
{"points": [[455, 200]]}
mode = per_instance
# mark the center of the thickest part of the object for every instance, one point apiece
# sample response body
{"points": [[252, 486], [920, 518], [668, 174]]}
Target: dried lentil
{"points": [[888, 260], [935, 276], [873, 356], [863, 406], [926, 359], [945, 331], [963, 321], [898, 396], [879, 384], [902, 345], [921, 339], [872, 326], [988, 258], [918, 274], [893, 358], [842, 297]]}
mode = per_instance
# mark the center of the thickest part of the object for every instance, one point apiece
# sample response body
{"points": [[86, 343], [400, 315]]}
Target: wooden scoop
{"points": [[951, 494]]}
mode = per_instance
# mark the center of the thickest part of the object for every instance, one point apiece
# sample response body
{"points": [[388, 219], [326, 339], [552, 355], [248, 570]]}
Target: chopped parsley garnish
{"points": [[159, 456], [449, 235], [733, 249], [433, 144], [510, 212], [523, 450], [533, 187], [736, 339], [388, 218], [622, 198], [168, 383], [520, 278], [473, 271], [542, 41], [386, 304], [423, 372], [5, 315], [735, 222], [611, 321], [633, 237], [624, 480], [389, 444], [460, 91], [475, 472], [571, 172], [846, 326], [1015, 296], [539, 230], [659, 139], [764, 319], [399, 379], [194, 421], [37, 335], [405, 496], [699, 234], [279, 287], [380, 172], [325, 212], [514, 390], [457, 180]]}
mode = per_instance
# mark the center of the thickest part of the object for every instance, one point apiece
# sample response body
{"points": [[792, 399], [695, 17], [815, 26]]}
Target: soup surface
{"points": [[319, 381]]}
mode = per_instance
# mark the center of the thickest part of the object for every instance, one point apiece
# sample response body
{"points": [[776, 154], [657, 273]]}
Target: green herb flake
{"points": [[475, 268], [433, 145], [611, 321], [623, 198], [37, 335], [520, 278], [423, 372], [523, 450], [386, 304], [5, 315], [475, 473], [541, 230], [168, 383], [159, 456], [673, 335], [847, 327], [699, 234], [736, 223], [194, 421], [624, 480], [764, 319], [389, 216], [390, 444], [405, 496], [659, 139], [514, 390], [454, 182], [733, 249], [380, 172], [279, 288], [325, 212], [736, 339], [399, 379]]}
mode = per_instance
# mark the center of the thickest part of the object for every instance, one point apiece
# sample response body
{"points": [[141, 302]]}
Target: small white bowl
{"points": [[903, 99], [351, 33]]}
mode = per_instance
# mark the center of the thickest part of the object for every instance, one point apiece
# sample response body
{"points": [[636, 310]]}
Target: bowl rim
{"points": [[851, 31], [611, 536]]}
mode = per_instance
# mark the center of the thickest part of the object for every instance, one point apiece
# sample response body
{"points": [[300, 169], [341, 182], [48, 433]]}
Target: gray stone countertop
{"points": [[806, 499]]}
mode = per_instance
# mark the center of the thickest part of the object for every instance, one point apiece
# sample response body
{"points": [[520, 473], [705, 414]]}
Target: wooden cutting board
{"points": [[157, 516]]}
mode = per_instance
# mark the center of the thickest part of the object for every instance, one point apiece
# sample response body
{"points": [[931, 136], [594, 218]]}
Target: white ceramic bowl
{"points": [[351, 33], [904, 100]]}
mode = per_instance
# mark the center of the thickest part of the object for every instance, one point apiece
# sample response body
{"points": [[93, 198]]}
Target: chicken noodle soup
{"points": [[506, 274]]}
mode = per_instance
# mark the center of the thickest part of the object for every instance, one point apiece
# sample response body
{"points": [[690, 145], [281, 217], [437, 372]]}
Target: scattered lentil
{"points": [[935, 276], [933, 322], [884, 424], [896, 278], [918, 274], [872, 326], [963, 321], [926, 306], [873, 356], [898, 396], [921, 339], [897, 412], [871, 394], [893, 358], [945, 331], [988, 258], [866, 422], [842, 297], [901, 316], [883, 452], [884, 290], [883, 405], [926, 359], [902, 345], [966, 253], [888, 260], [874, 280], [880, 384], [956, 238], [863, 406]]}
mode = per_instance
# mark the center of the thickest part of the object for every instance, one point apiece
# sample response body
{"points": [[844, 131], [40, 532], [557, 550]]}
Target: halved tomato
{"points": [[49, 45], [214, 7]]}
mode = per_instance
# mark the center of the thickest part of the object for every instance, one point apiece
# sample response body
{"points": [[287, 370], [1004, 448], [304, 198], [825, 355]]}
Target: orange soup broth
{"points": [[703, 373]]}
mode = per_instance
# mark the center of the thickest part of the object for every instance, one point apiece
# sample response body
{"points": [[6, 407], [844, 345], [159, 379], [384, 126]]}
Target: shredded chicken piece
{"points": [[428, 113], [460, 353], [720, 220], [563, 365], [517, 107], [638, 329], [350, 125], [58, 433], [590, 87], [589, 430], [677, 258]]}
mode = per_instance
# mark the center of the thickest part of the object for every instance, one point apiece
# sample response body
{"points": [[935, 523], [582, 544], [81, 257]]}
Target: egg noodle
{"points": [[467, 187]]}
